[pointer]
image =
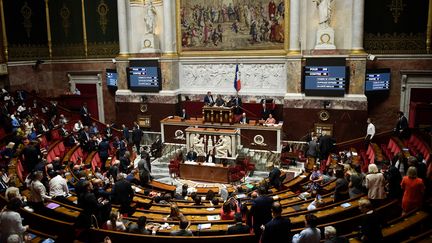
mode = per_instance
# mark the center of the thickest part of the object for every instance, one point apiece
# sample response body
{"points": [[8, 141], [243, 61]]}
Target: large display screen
{"points": [[144, 76], [111, 78], [377, 80], [325, 77]]}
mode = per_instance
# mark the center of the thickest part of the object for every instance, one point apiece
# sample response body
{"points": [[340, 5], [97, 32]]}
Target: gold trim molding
{"points": [[429, 29], [5, 40], [84, 29], [48, 23]]}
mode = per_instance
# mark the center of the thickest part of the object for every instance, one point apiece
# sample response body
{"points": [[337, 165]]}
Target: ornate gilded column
{"points": [[5, 42], [47, 16], [122, 26], [357, 26], [429, 29], [169, 26], [84, 29], [294, 35]]}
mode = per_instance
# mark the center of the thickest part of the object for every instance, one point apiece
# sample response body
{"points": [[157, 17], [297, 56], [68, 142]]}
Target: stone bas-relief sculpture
{"points": [[325, 33], [223, 147], [255, 77]]}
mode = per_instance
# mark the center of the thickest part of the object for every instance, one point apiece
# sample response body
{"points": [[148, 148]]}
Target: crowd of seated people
{"points": [[97, 193]]}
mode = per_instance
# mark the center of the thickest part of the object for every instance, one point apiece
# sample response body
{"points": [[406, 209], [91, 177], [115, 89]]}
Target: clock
{"points": [[325, 38], [143, 108], [147, 43], [323, 115]]}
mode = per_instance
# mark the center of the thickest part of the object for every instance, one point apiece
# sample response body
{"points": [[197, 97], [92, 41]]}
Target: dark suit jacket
{"points": [[261, 210], [137, 135], [103, 149], [247, 120], [402, 123], [278, 228], [122, 192], [265, 114], [191, 155], [184, 116], [208, 100], [238, 228]]}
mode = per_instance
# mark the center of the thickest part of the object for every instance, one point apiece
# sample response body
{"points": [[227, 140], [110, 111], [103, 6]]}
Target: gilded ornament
{"points": [[103, 10], [26, 12], [396, 7], [65, 15]]}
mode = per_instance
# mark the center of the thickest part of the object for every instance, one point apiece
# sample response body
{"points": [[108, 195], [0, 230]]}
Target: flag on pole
{"points": [[237, 83]]}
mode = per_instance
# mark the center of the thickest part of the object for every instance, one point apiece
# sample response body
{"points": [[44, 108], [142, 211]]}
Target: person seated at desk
{"points": [[239, 227], [270, 120], [220, 101], [208, 99], [210, 158], [191, 155], [244, 119], [183, 231], [184, 115]]}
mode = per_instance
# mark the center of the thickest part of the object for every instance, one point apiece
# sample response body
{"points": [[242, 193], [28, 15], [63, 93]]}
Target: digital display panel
{"points": [[111, 78], [144, 76], [325, 77], [377, 80]]}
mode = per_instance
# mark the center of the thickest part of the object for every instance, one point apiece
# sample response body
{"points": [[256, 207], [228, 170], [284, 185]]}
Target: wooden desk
{"points": [[268, 138], [199, 172], [217, 114]]}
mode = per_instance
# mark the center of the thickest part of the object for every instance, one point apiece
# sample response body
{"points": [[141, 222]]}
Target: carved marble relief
{"points": [[220, 77]]}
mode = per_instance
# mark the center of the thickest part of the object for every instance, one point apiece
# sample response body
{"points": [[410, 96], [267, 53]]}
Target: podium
{"points": [[217, 114]]}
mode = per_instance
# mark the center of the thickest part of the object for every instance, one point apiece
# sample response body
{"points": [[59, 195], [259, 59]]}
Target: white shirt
{"points": [[58, 186], [371, 130], [78, 126]]}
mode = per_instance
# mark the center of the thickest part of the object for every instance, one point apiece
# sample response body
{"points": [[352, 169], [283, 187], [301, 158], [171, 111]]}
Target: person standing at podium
{"points": [[208, 99], [220, 101]]}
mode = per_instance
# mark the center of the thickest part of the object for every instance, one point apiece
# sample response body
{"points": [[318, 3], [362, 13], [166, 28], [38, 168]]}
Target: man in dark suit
{"points": [[244, 119], [275, 178], [122, 194], [402, 126], [108, 131], [191, 155], [125, 132], [183, 115], [261, 211], [236, 102], [85, 115], [208, 99], [326, 144], [137, 134], [125, 162], [239, 227], [278, 228], [265, 112], [84, 138], [103, 150]]}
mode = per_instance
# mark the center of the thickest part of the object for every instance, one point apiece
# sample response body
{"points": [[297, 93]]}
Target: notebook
{"points": [[52, 205]]}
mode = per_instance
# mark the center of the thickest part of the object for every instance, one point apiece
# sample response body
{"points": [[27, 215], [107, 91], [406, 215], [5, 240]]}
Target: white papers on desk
{"points": [[190, 163], [213, 217], [204, 226], [345, 205], [136, 189], [210, 164], [210, 209]]}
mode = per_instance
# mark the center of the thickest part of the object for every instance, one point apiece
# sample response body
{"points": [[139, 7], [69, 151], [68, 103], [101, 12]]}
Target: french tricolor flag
{"points": [[237, 83]]}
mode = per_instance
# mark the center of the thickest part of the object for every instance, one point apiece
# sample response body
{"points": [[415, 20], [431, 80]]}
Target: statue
{"points": [[198, 144], [325, 33], [150, 18], [325, 11], [223, 146]]}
